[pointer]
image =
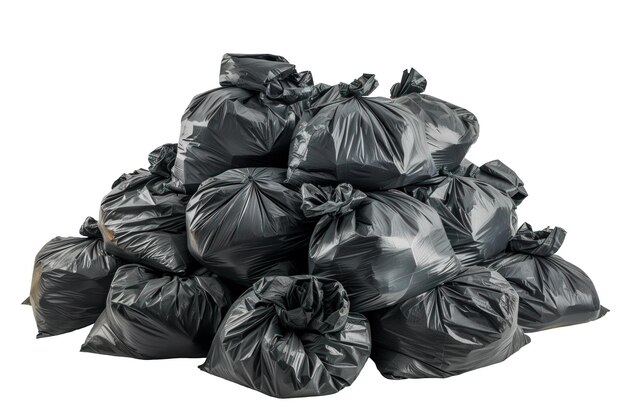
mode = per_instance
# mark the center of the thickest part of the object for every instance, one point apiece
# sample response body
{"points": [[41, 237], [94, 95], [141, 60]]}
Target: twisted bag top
{"points": [[382, 246], [372, 143], [246, 223], [143, 221], [552, 291], [248, 122], [450, 130], [291, 337], [71, 279]]}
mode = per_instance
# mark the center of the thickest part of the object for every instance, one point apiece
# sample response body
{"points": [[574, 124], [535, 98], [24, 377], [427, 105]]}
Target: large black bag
{"points": [[450, 130], [373, 143], [383, 247], [291, 337], [464, 324], [479, 219], [248, 122], [246, 223], [497, 174], [149, 315], [71, 279], [143, 221], [552, 291]]}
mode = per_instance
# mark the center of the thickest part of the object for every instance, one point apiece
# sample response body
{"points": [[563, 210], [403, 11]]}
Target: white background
{"points": [[88, 91]]}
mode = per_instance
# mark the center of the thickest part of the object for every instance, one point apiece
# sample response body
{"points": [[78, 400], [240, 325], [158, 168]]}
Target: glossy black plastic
{"points": [[479, 219], [464, 324], [246, 223], [71, 279], [143, 221], [291, 337], [497, 174], [150, 315], [383, 247], [552, 291], [450, 130], [373, 143], [248, 122]]}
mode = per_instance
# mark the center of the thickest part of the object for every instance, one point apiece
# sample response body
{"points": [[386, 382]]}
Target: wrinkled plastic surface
{"points": [[246, 223], [150, 315], [383, 247], [372, 143], [450, 130], [143, 221], [479, 219], [552, 291], [464, 324], [71, 279], [497, 174], [291, 337], [248, 122]]}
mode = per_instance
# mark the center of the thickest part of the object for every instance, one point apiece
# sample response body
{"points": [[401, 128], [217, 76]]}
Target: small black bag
{"points": [[464, 324], [143, 221], [552, 291], [450, 130], [71, 279], [383, 247], [246, 223], [149, 315], [291, 337], [248, 122], [372, 143]]}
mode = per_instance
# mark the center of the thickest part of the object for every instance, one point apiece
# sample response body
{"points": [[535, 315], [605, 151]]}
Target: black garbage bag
{"points": [[150, 315], [71, 279], [248, 122], [246, 223], [479, 219], [291, 337], [373, 143], [464, 324], [383, 247], [143, 221], [496, 174], [450, 130], [552, 291]]}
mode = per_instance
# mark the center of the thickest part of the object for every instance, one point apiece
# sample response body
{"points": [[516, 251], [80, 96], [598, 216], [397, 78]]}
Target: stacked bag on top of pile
{"points": [[248, 122], [286, 212]]}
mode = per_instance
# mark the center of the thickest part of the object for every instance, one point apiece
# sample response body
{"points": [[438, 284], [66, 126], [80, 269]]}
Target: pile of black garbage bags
{"points": [[298, 229]]}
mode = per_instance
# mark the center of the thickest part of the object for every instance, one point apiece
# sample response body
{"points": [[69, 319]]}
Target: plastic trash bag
{"points": [[479, 219], [373, 143], [248, 122], [450, 130], [291, 337], [246, 223], [496, 174], [464, 324], [150, 315], [142, 221], [383, 247], [71, 279], [552, 291]]}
